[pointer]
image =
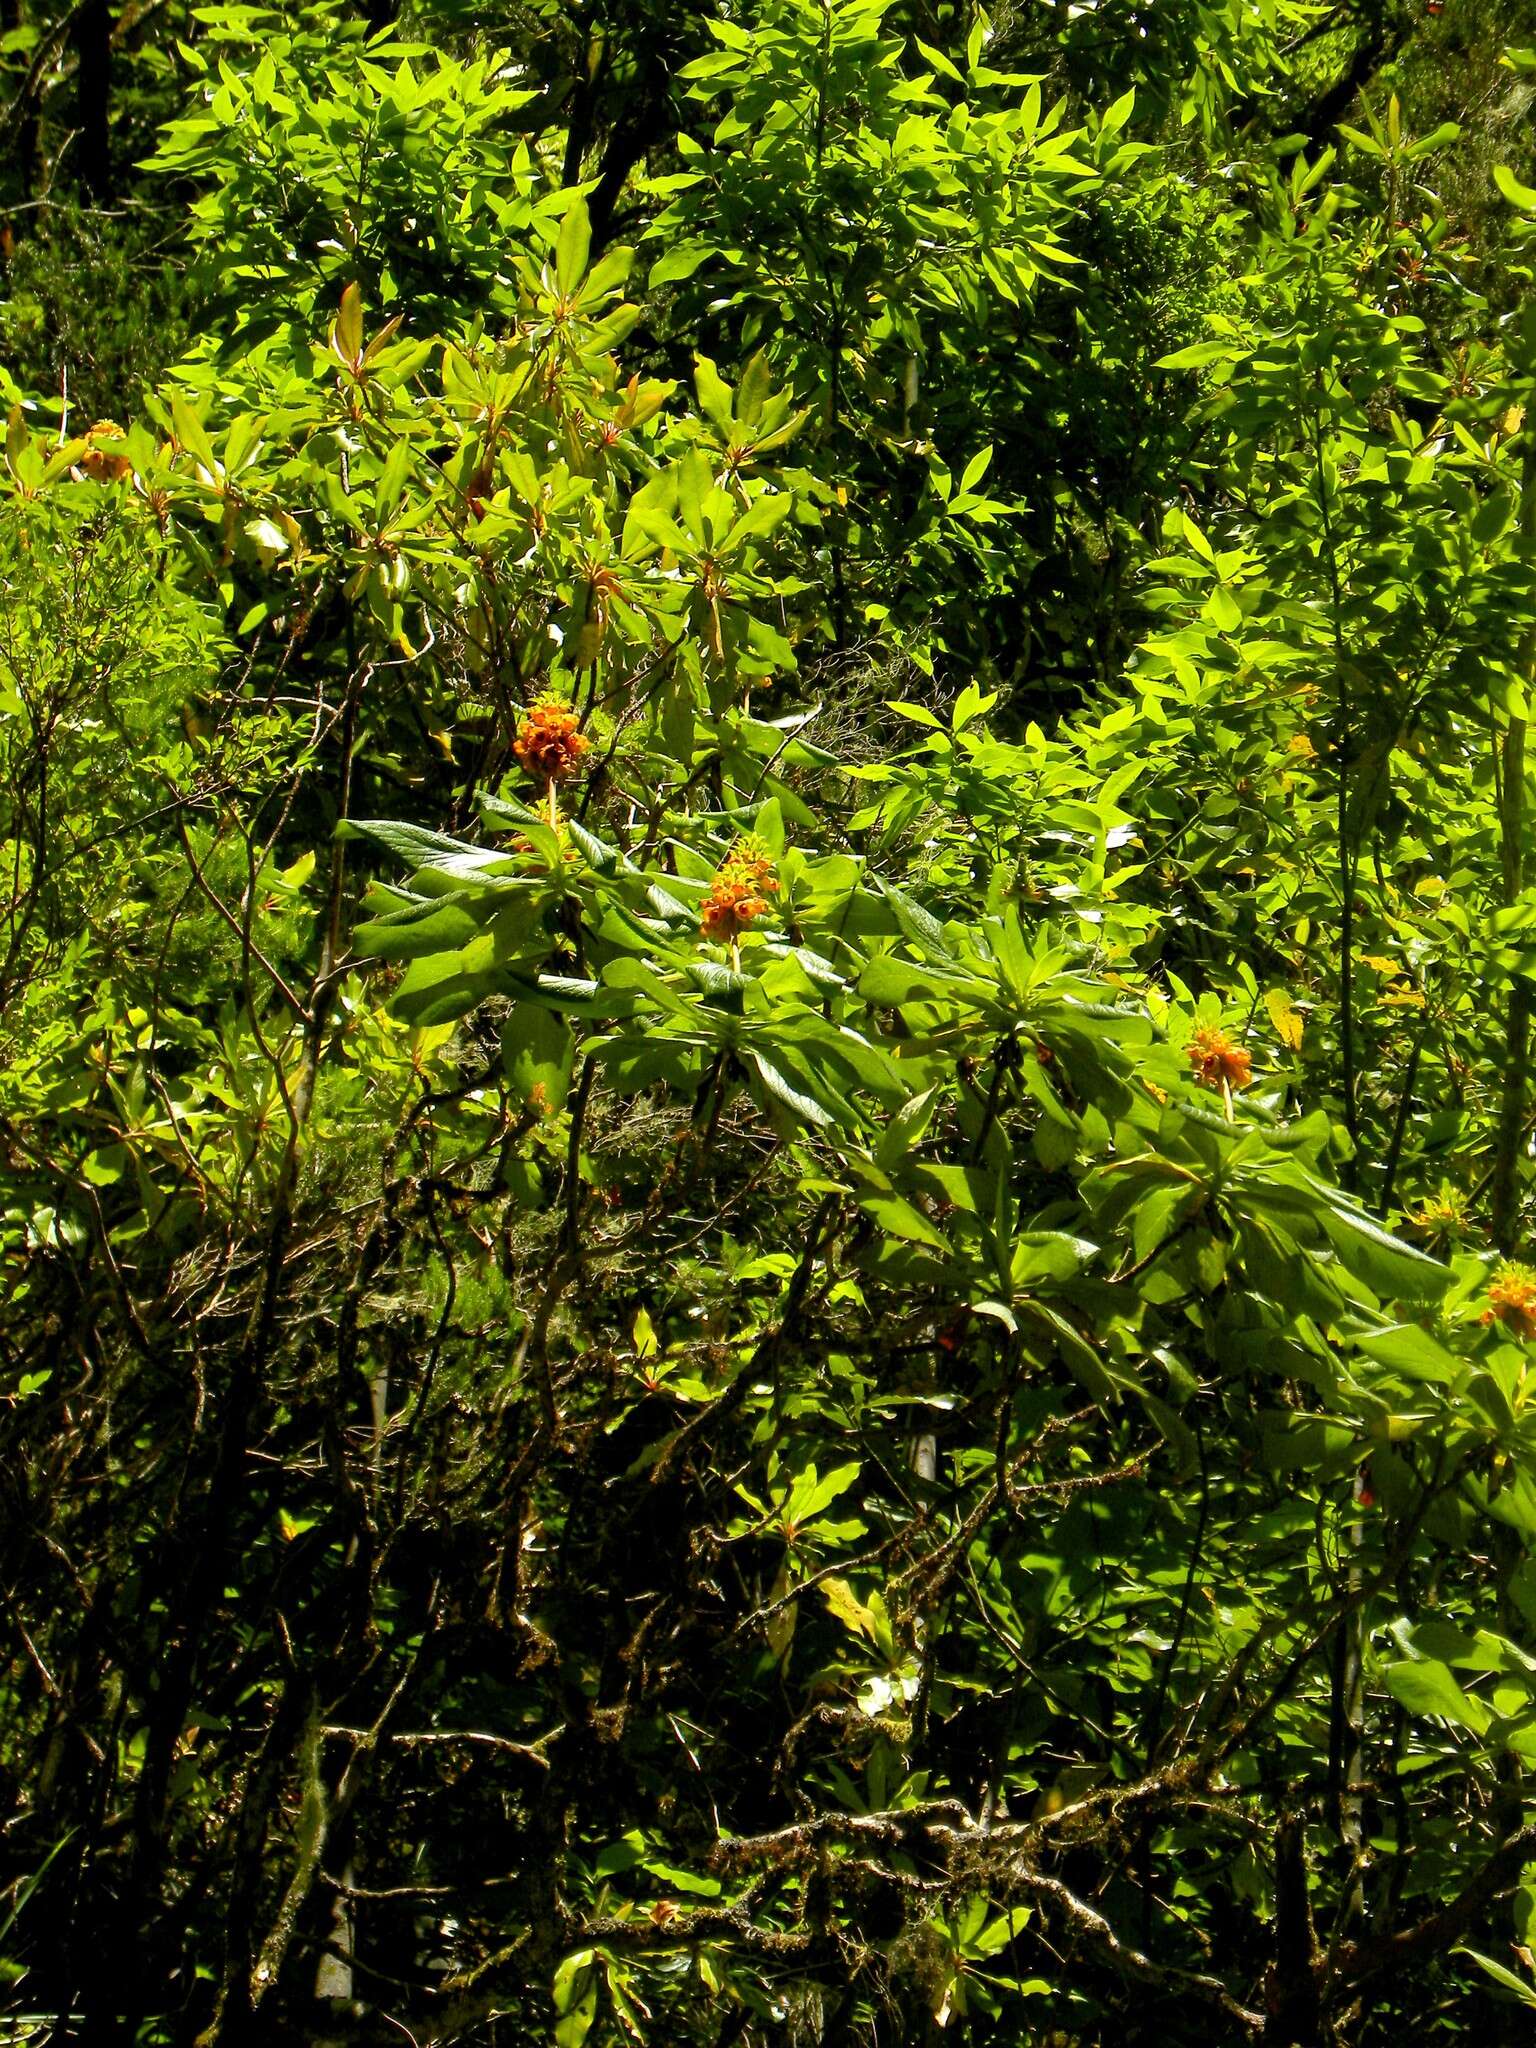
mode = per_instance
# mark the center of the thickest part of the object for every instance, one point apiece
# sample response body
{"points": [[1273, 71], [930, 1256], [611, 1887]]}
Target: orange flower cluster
{"points": [[738, 894], [1444, 1214], [1217, 1061], [104, 459], [549, 742], [1512, 1300]]}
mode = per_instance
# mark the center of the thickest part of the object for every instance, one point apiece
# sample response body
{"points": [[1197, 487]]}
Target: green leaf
{"points": [[1437, 138], [191, 434], [714, 395], [1413, 1351], [575, 1998], [1390, 1268], [1523, 1990], [902, 1218], [694, 485], [1522, 196], [443, 924], [537, 1054], [1048, 1255], [1197, 356], [572, 248], [679, 263], [1076, 1354], [973, 473], [888, 982], [782, 1089], [905, 1129], [1428, 1689], [917, 924], [1174, 1430], [680, 1880], [812, 1492]]}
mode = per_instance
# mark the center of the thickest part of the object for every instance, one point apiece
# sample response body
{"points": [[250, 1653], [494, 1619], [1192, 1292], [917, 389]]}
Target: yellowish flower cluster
{"points": [[1512, 1300], [1217, 1062], [738, 894], [550, 743]]}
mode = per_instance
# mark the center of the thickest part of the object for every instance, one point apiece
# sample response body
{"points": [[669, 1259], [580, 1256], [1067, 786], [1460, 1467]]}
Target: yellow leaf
{"points": [[347, 329], [847, 1606], [1286, 1018]]}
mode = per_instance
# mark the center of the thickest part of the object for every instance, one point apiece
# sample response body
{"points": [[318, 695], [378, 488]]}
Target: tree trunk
{"points": [[93, 98]]}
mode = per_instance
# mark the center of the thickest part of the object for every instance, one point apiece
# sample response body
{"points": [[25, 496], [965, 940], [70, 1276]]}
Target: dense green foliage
{"points": [[767, 927]]}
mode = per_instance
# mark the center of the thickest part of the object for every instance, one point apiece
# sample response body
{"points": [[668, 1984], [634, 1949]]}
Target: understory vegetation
{"points": [[767, 963]]}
